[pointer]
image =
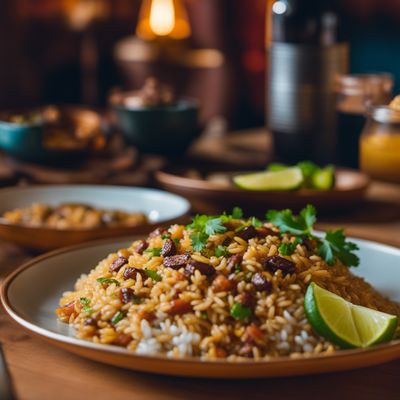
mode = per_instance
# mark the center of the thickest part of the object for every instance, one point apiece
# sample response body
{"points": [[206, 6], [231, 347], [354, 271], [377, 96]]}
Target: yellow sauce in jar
{"points": [[380, 156]]}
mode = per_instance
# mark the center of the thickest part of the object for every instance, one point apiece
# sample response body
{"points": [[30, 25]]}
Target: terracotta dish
{"points": [[213, 192], [158, 206]]}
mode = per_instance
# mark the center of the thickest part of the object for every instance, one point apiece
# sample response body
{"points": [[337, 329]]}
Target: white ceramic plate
{"points": [[30, 296], [159, 206]]}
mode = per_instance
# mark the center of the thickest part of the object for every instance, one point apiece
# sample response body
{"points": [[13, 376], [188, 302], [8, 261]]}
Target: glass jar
{"points": [[380, 144], [355, 93]]}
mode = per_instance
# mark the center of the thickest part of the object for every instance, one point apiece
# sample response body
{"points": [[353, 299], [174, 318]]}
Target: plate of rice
{"points": [[222, 297]]}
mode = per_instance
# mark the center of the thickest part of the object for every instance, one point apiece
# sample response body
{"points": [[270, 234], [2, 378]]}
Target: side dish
{"points": [[226, 287], [72, 216], [304, 175]]}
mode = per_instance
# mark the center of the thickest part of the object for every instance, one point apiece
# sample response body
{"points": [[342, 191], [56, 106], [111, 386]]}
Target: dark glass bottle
{"points": [[305, 55]]}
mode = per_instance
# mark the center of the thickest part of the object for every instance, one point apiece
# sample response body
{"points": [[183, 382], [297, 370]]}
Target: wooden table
{"points": [[41, 371]]}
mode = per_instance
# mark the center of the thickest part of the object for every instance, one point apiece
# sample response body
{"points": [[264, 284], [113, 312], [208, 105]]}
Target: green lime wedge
{"points": [[287, 179], [323, 178], [277, 167], [344, 323]]}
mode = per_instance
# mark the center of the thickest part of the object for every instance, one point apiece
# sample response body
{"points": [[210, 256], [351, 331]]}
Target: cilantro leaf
{"points": [[334, 245], [153, 275], [199, 240], [86, 305], [214, 226], [117, 317], [237, 213], [256, 222], [107, 281], [287, 249], [287, 222], [154, 251], [221, 251]]}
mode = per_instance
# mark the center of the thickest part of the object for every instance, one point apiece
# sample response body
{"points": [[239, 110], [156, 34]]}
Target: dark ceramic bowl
{"points": [[167, 130], [25, 140]]}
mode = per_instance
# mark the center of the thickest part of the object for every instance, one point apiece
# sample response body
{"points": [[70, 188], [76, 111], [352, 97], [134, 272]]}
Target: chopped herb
{"points": [[203, 315], [154, 251], [296, 225], [165, 236], [107, 281], [214, 226], [240, 228], [176, 240], [221, 251], [86, 305], [199, 240], [332, 246], [287, 249], [240, 312], [84, 301], [238, 268], [256, 222], [117, 317], [153, 275], [237, 213]]}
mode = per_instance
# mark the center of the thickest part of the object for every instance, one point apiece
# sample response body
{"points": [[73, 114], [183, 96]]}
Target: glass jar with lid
{"points": [[380, 144], [355, 94]]}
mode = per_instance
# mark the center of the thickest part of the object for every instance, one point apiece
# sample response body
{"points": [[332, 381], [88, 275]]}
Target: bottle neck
{"points": [[312, 22]]}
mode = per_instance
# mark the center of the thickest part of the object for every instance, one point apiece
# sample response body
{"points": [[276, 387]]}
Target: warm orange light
{"points": [[166, 18]]}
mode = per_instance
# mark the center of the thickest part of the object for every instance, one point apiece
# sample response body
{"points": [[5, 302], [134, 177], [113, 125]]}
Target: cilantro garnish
{"points": [[237, 213], [256, 222], [199, 240], [221, 251], [240, 312], [300, 225], [332, 246], [107, 281], [287, 249], [153, 275], [117, 317], [86, 305], [154, 251]]}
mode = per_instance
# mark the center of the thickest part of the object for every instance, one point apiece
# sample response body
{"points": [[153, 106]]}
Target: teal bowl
{"points": [[167, 130], [25, 141]]}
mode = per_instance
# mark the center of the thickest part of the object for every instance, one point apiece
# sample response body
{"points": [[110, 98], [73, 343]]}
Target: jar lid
{"points": [[385, 114], [364, 84]]}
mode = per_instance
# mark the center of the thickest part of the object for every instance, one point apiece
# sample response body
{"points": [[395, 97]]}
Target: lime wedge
{"points": [[344, 323], [323, 179], [287, 179], [277, 167]]}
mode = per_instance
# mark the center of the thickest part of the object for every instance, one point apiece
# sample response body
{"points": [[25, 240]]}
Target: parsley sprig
{"points": [[330, 247]]}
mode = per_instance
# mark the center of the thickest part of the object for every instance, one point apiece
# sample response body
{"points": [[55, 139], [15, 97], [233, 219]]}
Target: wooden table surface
{"points": [[42, 371]]}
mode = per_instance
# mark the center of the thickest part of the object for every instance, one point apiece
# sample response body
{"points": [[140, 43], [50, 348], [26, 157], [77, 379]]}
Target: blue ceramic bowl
{"points": [[25, 140], [166, 130]]}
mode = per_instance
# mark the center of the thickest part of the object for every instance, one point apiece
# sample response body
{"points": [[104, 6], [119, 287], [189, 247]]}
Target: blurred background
{"points": [[77, 51]]}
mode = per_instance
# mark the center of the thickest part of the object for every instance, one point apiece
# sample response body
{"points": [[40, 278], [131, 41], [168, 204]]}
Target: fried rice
{"points": [[160, 297]]}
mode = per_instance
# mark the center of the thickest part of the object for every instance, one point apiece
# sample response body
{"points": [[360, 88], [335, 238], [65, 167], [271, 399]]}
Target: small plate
{"points": [[160, 208], [31, 294], [219, 194]]}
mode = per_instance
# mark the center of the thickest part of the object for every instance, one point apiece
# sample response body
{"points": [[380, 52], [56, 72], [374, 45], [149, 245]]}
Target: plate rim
{"points": [[185, 202], [64, 341]]}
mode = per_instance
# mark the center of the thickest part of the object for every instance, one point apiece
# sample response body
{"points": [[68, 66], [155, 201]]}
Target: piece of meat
{"points": [[118, 264], [169, 248]]}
